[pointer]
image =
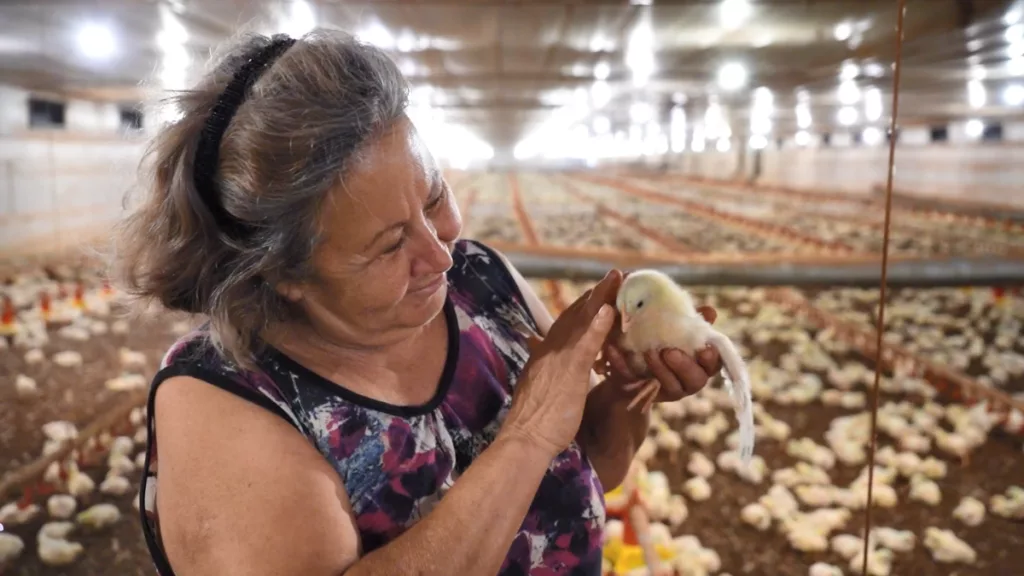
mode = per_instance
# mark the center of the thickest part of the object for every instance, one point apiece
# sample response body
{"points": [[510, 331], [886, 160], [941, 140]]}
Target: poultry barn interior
{"points": [[745, 147]]}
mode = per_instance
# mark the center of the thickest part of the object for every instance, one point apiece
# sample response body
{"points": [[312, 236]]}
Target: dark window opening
{"points": [[939, 133], [131, 119], [992, 133], [826, 139], [45, 113]]}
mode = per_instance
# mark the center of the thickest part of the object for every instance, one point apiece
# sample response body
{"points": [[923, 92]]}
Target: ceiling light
{"points": [[802, 95], [843, 31], [377, 35], [679, 98], [406, 41], [974, 128], [763, 99], [802, 138], [640, 112], [732, 76], [874, 69], [849, 71], [760, 125], [1013, 16], [1015, 66], [1013, 95], [300, 19], [758, 142], [873, 104], [871, 136], [602, 70], [1014, 34], [96, 41], [697, 145], [848, 93], [978, 73], [976, 94], [734, 12], [600, 94], [602, 125], [723, 145], [847, 116], [803, 115]]}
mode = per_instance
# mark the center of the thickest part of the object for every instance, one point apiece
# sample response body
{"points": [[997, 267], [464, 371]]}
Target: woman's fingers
{"points": [[617, 361], [709, 313], [670, 384], [710, 361], [691, 375]]}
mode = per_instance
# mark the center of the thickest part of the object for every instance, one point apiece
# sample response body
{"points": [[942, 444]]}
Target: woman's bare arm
{"points": [[242, 493]]}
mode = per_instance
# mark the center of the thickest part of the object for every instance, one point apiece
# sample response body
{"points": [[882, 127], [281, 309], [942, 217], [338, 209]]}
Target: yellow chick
{"points": [[657, 313], [99, 516], [10, 548]]}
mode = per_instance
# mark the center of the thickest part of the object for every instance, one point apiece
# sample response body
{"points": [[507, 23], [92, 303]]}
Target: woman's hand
{"points": [[678, 374], [548, 403]]}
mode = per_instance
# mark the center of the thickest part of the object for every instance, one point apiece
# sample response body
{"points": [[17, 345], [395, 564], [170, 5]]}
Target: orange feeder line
{"points": [[758, 227], [663, 240], [526, 226], [79, 297], [947, 381], [7, 317]]}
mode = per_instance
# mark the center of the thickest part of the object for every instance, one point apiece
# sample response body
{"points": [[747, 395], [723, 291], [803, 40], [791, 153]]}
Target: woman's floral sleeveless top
{"points": [[398, 462]]}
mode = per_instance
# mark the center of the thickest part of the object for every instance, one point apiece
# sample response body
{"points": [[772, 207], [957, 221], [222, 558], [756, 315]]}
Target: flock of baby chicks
{"points": [[124, 456], [49, 311], [801, 501]]}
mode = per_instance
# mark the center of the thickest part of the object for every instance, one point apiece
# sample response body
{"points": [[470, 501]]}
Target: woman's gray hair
{"points": [[289, 144]]}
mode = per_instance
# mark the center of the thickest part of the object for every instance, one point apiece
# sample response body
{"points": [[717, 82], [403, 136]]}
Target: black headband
{"points": [[208, 148]]}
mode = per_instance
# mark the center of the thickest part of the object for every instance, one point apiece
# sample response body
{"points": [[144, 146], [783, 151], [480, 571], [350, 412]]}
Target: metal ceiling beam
{"points": [[930, 274]]}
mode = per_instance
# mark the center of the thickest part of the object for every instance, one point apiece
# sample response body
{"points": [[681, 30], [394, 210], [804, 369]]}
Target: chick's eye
{"points": [[640, 304]]}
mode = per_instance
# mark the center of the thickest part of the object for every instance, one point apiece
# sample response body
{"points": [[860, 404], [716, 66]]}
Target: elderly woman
{"points": [[360, 400]]}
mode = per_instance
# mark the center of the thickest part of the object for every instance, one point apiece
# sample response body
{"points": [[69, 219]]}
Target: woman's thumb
{"points": [[592, 341]]}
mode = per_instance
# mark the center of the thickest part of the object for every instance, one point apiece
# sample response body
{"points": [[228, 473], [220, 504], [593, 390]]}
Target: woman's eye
{"points": [[397, 246], [435, 203]]}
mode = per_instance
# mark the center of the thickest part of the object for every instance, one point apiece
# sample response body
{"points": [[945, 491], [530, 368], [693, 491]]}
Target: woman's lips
{"points": [[431, 287]]}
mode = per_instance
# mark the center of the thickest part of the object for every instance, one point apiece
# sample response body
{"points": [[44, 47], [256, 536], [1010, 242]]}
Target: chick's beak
{"points": [[625, 322]]}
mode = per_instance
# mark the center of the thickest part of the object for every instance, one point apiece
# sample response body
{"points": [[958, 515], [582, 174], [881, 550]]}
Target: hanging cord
{"points": [[880, 326]]}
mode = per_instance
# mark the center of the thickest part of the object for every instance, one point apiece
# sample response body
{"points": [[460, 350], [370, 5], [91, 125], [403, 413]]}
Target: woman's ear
{"points": [[290, 290]]}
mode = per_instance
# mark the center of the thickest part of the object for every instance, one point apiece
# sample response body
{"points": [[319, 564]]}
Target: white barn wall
{"points": [[960, 171], [61, 188]]}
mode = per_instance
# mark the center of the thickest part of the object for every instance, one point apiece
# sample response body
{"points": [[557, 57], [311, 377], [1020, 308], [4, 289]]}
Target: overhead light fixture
{"points": [[977, 96], [300, 19], [723, 145], [802, 138], [377, 35], [803, 115], [1015, 66], [1014, 34], [602, 70], [758, 142], [406, 41], [849, 71], [871, 136], [602, 125], [843, 31], [732, 76], [640, 51], [847, 116], [874, 69], [1013, 95], [974, 128], [600, 94], [641, 112], [96, 41], [733, 13], [1013, 16], [873, 104], [848, 93], [677, 129]]}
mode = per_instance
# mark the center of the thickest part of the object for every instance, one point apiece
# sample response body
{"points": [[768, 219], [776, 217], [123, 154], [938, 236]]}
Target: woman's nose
{"points": [[433, 256]]}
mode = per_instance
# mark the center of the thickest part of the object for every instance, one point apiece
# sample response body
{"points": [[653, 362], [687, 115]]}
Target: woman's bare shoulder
{"points": [[240, 491]]}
